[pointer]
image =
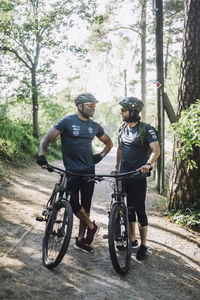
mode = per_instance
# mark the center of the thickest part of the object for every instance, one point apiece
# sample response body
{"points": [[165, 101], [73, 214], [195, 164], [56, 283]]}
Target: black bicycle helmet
{"points": [[85, 98], [132, 103]]}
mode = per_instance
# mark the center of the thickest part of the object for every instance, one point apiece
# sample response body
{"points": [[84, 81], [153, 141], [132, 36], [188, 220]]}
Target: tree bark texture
{"points": [[184, 186], [189, 89]]}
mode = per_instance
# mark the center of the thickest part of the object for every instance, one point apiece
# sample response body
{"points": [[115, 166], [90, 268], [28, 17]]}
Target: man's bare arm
{"points": [[108, 144], [50, 136], [155, 147], [118, 159]]}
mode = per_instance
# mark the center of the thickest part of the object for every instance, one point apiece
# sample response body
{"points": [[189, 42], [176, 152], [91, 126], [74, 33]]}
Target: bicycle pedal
{"points": [[39, 218]]}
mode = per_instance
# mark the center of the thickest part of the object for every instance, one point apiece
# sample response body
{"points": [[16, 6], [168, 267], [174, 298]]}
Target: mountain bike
{"points": [[59, 221], [119, 234]]}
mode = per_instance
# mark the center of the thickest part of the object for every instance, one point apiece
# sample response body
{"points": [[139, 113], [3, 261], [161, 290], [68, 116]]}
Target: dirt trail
{"points": [[172, 270]]}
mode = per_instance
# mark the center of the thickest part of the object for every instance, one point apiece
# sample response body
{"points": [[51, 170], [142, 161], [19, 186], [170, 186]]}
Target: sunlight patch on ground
{"points": [[11, 263]]}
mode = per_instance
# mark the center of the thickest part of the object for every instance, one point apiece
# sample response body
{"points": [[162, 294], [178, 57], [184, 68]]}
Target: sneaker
{"points": [[135, 244], [91, 234], [82, 246], [141, 253]]}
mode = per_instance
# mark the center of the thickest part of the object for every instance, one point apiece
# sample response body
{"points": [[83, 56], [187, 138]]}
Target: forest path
{"points": [[172, 270]]}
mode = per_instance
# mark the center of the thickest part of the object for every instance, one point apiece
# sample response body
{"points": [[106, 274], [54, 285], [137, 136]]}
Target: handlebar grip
{"points": [[49, 168]]}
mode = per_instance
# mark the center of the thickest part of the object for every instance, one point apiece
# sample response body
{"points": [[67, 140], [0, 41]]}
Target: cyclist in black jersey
{"points": [[77, 132], [132, 155]]}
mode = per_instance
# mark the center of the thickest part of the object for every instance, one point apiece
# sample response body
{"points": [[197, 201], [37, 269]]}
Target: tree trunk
{"points": [[185, 186], [189, 90], [35, 103], [143, 57]]}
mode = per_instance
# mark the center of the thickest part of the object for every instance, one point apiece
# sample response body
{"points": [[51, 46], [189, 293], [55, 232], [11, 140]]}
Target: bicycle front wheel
{"points": [[119, 238], [57, 234]]}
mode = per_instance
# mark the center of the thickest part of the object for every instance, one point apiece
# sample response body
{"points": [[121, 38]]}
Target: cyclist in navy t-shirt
{"points": [[132, 155], [77, 132]]}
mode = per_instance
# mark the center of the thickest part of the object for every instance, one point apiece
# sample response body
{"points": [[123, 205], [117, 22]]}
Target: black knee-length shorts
{"points": [[81, 192], [136, 195]]}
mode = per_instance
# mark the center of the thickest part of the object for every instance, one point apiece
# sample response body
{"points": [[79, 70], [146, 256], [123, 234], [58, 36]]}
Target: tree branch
{"points": [[122, 27], [5, 49]]}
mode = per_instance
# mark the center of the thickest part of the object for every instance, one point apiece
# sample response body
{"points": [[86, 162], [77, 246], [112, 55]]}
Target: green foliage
{"points": [[32, 35], [172, 81], [189, 217], [18, 145], [188, 131], [173, 26], [16, 141], [3, 108], [29, 29]]}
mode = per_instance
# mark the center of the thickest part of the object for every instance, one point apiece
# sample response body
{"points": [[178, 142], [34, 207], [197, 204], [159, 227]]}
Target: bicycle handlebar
{"points": [[99, 177]]}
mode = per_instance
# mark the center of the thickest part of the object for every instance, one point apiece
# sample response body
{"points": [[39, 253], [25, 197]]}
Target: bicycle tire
{"points": [[119, 236], [57, 234]]}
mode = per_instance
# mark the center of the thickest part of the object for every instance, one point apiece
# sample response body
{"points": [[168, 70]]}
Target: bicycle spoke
{"points": [[119, 239], [58, 234]]}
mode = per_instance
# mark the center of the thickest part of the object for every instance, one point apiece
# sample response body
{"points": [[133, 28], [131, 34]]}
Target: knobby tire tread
{"points": [[66, 241], [111, 240]]}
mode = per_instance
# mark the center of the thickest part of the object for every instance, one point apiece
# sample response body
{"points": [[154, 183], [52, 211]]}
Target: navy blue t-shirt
{"points": [[76, 139], [134, 155]]}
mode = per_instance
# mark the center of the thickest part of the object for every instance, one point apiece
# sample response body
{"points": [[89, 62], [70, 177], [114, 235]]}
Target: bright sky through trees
{"points": [[98, 75]]}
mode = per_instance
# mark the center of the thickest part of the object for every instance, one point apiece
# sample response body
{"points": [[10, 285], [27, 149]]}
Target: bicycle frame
{"points": [[58, 216], [118, 191], [118, 229]]}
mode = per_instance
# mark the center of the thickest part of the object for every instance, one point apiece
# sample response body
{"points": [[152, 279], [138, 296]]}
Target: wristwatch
{"points": [[148, 163], [103, 154]]}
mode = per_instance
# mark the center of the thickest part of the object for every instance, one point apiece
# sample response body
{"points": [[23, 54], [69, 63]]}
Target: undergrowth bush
{"points": [[16, 141], [18, 145], [188, 132], [189, 217]]}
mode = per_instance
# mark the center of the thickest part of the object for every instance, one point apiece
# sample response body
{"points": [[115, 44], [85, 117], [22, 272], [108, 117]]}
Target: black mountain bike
{"points": [[119, 234], [59, 221]]}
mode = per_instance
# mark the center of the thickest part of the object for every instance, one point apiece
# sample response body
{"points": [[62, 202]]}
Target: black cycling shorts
{"points": [[136, 194], [81, 192]]}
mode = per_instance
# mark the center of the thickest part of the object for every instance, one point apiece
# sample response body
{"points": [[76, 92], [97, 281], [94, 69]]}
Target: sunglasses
{"points": [[123, 110], [91, 104]]}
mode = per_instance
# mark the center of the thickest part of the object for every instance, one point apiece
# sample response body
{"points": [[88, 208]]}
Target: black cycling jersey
{"points": [[76, 137], [134, 154]]}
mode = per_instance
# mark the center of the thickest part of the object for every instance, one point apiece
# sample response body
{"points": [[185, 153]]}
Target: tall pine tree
{"points": [[185, 184]]}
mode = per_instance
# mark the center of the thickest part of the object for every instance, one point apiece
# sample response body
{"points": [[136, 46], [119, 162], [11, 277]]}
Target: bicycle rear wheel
{"points": [[57, 234], [119, 239]]}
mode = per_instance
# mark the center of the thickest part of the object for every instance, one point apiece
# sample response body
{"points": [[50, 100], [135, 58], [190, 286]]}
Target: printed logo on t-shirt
{"points": [[76, 130], [153, 134], [90, 130], [129, 137]]}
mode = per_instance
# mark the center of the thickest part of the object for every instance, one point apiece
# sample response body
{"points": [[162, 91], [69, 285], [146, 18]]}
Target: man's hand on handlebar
{"points": [[41, 161], [145, 169], [115, 171]]}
